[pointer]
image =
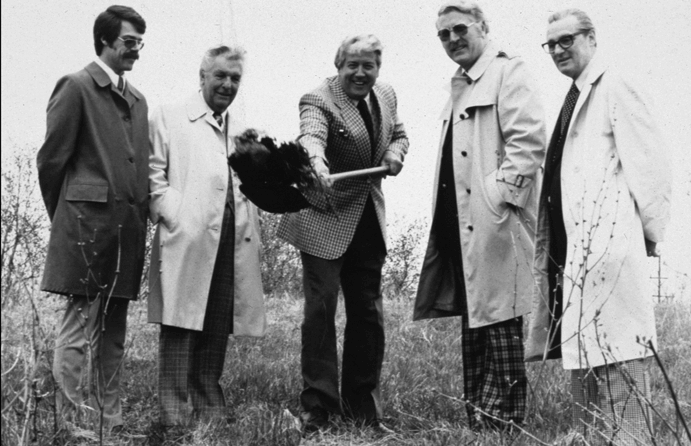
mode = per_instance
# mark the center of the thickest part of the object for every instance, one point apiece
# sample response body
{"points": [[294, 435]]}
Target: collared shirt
{"points": [[210, 113], [111, 74], [368, 101]]}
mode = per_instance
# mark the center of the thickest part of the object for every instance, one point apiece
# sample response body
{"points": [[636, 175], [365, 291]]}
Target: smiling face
{"points": [[358, 74], [116, 55], [573, 60], [220, 82], [464, 50]]}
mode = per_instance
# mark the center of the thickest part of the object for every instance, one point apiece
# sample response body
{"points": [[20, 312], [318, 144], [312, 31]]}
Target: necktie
{"points": [[569, 105], [219, 119], [121, 84], [364, 112]]}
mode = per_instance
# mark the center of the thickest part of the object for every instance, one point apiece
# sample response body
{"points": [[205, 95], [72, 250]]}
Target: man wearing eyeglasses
{"points": [[93, 174], [604, 206], [480, 248]]}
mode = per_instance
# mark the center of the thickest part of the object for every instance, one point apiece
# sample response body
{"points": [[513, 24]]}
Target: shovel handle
{"points": [[359, 173]]}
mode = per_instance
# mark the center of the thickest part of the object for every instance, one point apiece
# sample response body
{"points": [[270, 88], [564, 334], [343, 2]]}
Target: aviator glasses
{"points": [[460, 30], [132, 44]]}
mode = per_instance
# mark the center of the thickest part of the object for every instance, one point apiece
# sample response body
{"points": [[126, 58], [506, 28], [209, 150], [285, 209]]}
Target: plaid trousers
{"points": [[494, 377], [191, 362], [609, 402]]}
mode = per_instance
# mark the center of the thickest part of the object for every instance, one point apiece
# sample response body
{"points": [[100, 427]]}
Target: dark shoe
{"points": [[314, 420]]}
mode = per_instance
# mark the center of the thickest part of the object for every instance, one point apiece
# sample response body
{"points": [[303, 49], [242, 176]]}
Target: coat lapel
{"points": [[595, 72], [385, 122], [353, 120], [102, 80], [196, 110]]}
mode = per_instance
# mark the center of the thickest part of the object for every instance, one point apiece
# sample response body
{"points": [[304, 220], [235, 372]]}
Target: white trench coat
{"points": [[188, 186], [615, 182]]}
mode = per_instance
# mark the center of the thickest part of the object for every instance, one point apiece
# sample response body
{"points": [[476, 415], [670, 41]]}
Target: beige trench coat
{"points": [[615, 182], [188, 185], [498, 147]]}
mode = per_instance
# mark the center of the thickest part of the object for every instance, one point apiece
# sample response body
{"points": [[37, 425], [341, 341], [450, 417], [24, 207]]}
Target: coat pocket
{"points": [[97, 193], [495, 201]]}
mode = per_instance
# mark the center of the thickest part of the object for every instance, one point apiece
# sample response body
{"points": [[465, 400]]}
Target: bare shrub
{"points": [[24, 226], [404, 259], [281, 266]]}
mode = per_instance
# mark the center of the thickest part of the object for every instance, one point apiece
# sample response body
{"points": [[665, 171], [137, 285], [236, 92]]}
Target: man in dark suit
{"points": [[93, 173], [350, 122]]}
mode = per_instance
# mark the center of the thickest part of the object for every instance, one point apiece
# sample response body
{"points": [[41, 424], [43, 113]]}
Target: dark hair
{"points": [[109, 22]]}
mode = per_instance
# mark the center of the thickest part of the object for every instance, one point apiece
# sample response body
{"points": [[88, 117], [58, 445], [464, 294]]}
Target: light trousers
{"points": [[89, 354]]}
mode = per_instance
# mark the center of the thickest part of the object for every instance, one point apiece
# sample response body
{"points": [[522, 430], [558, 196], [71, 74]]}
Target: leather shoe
{"points": [[314, 420]]}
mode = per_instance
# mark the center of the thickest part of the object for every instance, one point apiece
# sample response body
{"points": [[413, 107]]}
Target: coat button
{"points": [[247, 239], [462, 117], [443, 185], [131, 159], [464, 153], [131, 200], [468, 191], [469, 81], [126, 118], [470, 227]]}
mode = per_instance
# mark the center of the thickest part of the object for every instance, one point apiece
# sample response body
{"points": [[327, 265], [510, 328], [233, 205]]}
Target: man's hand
{"points": [[651, 248], [322, 172], [393, 162]]}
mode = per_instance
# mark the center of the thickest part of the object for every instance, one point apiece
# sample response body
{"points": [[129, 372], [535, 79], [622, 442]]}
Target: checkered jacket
{"points": [[331, 128]]}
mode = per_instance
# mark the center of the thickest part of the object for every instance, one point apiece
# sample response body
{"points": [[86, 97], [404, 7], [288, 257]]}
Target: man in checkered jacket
{"points": [[348, 123]]}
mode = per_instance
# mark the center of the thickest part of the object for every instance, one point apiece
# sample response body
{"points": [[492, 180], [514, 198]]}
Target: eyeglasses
{"points": [[460, 30], [132, 44], [565, 42]]}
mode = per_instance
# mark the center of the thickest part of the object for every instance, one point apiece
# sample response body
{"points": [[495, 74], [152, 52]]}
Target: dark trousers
{"points": [[494, 375], [191, 362], [359, 273]]}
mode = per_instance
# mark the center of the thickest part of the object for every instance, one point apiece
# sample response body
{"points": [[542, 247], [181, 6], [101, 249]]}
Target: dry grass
{"points": [[421, 384]]}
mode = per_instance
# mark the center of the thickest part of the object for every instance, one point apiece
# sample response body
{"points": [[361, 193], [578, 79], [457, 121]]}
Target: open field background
{"points": [[422, 375]]}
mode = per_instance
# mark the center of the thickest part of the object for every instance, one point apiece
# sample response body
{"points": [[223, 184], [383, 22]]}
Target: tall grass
{"points": [[422, 386]]}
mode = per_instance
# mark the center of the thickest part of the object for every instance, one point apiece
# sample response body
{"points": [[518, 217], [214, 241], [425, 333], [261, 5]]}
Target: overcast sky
{"points": [[291, 46]]}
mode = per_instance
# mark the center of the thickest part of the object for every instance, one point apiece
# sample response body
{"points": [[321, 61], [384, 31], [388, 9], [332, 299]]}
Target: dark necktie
{"points": [[564, 119], [569, 105], [367, 117], [219, 120], [121, 85]]}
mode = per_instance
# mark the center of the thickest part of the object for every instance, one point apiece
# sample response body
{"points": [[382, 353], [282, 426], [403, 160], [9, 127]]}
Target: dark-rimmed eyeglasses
{"points": [[460, 30], [565, 42], [132, 44]]}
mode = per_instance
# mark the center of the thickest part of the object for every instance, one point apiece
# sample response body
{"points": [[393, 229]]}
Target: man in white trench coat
{"points": [[480, 250], [205, 281], [604, 205]]}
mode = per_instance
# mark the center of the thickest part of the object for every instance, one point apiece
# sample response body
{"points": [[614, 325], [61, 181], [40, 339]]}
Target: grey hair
{"points": [[230, 52], [363, 43], [465, 7], [583, 20]]}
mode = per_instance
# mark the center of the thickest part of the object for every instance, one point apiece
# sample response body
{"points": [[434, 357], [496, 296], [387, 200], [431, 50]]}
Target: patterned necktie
{"points": [[367, 117], [121, 85], [569, 105], [219, 119]]}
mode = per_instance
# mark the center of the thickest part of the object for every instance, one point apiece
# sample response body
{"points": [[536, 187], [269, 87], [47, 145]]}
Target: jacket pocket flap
{"points": [[87, 192]]}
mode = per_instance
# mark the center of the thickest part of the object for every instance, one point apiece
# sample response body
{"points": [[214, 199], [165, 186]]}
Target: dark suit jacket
{"points": [[93, 173], [331, 127]]}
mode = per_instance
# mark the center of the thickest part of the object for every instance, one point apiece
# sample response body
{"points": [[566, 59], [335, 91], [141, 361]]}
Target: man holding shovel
{"points": [[348, 123]]}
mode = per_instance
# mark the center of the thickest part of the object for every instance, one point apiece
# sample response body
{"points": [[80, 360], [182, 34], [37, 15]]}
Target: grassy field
{"points": [[421, 384]]}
